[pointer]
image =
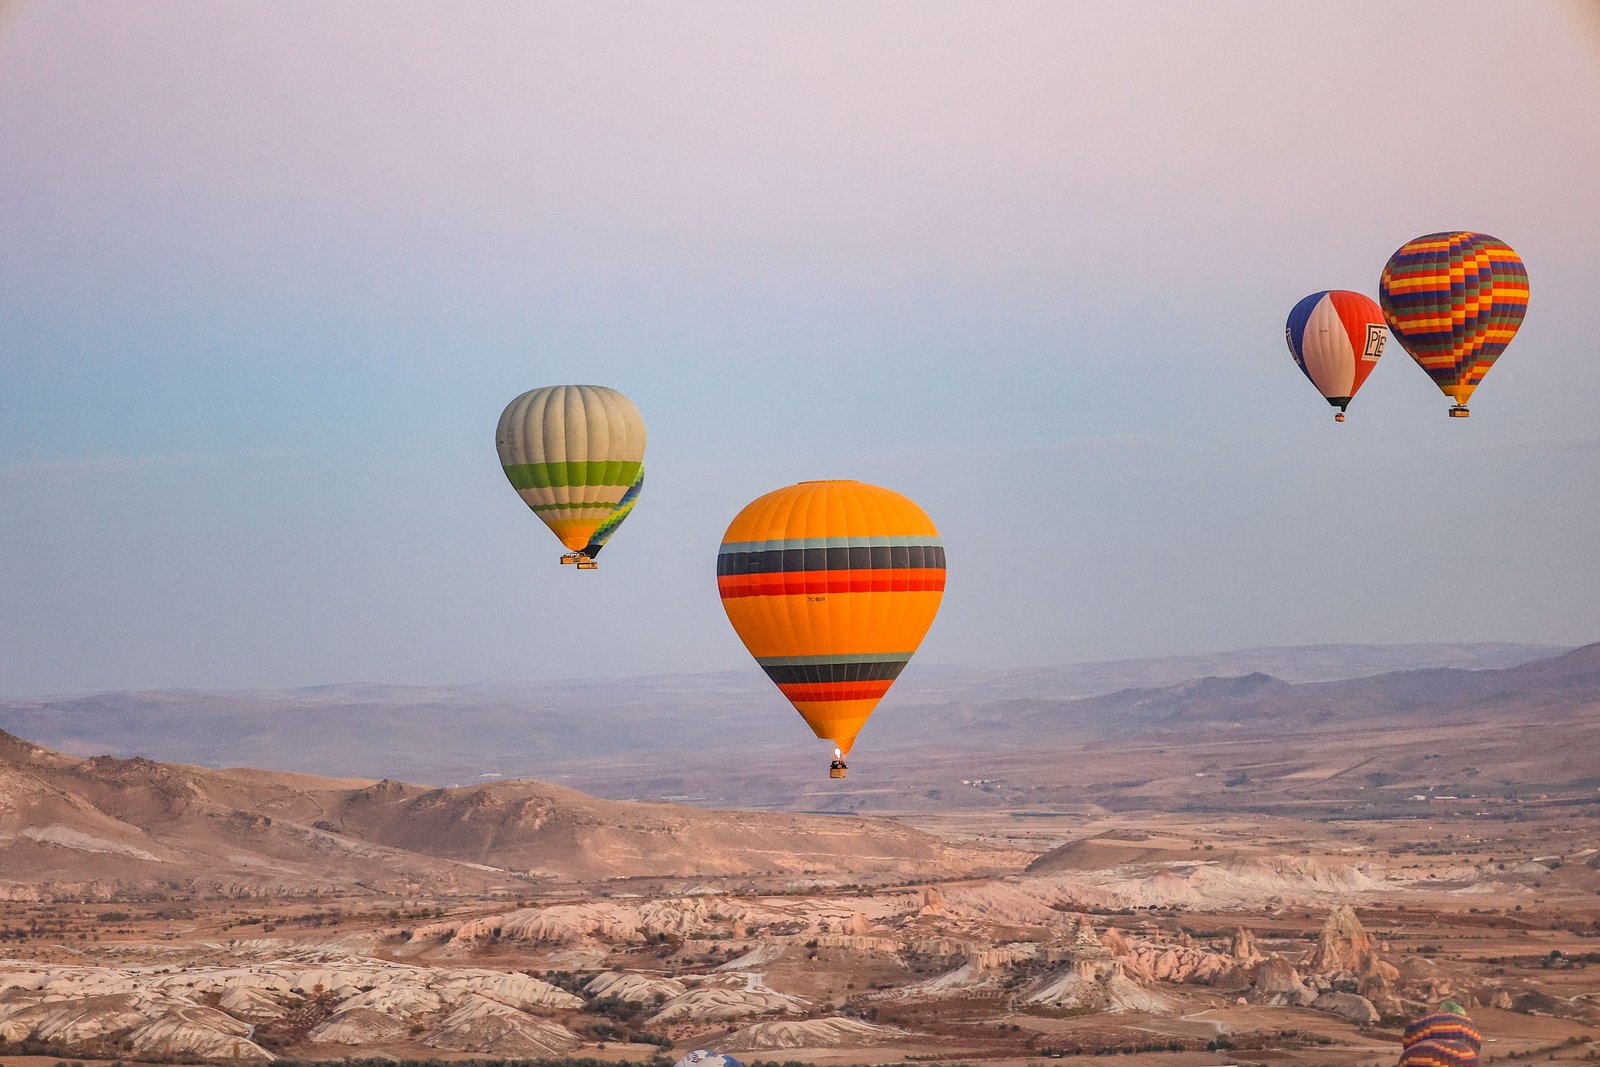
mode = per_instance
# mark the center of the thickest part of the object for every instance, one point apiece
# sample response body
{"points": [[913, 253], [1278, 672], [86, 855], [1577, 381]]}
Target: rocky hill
{"points": [[103, 825]]}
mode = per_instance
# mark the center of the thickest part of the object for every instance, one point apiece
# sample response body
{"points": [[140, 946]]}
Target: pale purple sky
{"points": [[268, 273]]}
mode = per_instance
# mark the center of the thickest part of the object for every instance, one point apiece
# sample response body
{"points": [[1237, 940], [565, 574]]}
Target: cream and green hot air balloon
{"points": [[572, 453]]}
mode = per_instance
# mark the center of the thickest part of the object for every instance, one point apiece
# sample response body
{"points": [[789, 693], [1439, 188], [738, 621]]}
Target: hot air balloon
{"points": [[1454, 300], [1439, 1053], [702, 1057], [603, 532], [1443, 1025], [1336, 337], [572, 453], [831, 586]]}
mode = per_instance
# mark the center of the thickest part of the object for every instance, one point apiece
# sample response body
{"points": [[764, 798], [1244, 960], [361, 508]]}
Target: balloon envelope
{"points": [[1454, 301], [1442, 1026], [1336, 337], [1439, 1053], [831, 586], [572, 452]]}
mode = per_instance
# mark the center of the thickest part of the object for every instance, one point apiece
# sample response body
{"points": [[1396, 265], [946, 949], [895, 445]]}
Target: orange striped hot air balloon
{"points": [[831, 586]]}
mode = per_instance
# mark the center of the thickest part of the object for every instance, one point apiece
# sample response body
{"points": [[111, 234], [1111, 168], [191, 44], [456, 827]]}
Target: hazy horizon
{"points": [[269, 274], [929, 673]]}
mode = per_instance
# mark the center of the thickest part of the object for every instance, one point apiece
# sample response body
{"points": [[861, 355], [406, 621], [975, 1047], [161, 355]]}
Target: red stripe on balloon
{"points": [[814, 583], [823, 691]]}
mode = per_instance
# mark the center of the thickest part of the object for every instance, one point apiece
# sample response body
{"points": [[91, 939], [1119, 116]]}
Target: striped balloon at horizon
{"points": [[1454, 301], [1442, 1026], [832, 585], [1336, 338], [1438, 1053]]}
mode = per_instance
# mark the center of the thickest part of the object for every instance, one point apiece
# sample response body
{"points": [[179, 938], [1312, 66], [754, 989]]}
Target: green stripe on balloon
{"points": [[582, 473]]}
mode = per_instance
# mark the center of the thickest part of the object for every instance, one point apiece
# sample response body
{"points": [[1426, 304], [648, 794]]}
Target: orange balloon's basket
{"points": [[1459, 411], [837, 769]]}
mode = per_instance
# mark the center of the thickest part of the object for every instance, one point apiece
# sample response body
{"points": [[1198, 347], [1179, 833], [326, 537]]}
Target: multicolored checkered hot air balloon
{"points": [[1442, 1026], [1454, 301], [1336, 337], [574, 454], [1439, 1053], [831, 586]]}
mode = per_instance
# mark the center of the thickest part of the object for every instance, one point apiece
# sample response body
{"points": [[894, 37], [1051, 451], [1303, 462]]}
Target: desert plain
{"points": [[1228, 869]]}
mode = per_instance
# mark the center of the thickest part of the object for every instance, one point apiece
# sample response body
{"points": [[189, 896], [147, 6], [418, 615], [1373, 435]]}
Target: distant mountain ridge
{"points": [[1257, 702], [1213, 743], [447, 734]]}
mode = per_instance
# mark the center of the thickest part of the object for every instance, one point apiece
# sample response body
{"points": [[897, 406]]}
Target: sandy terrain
{"points": [[1182, 900], [1148, 937]]}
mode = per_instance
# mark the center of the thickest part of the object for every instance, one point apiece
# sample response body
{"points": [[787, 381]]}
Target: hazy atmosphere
{"points": [[1239, 736], [268, 274]]}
